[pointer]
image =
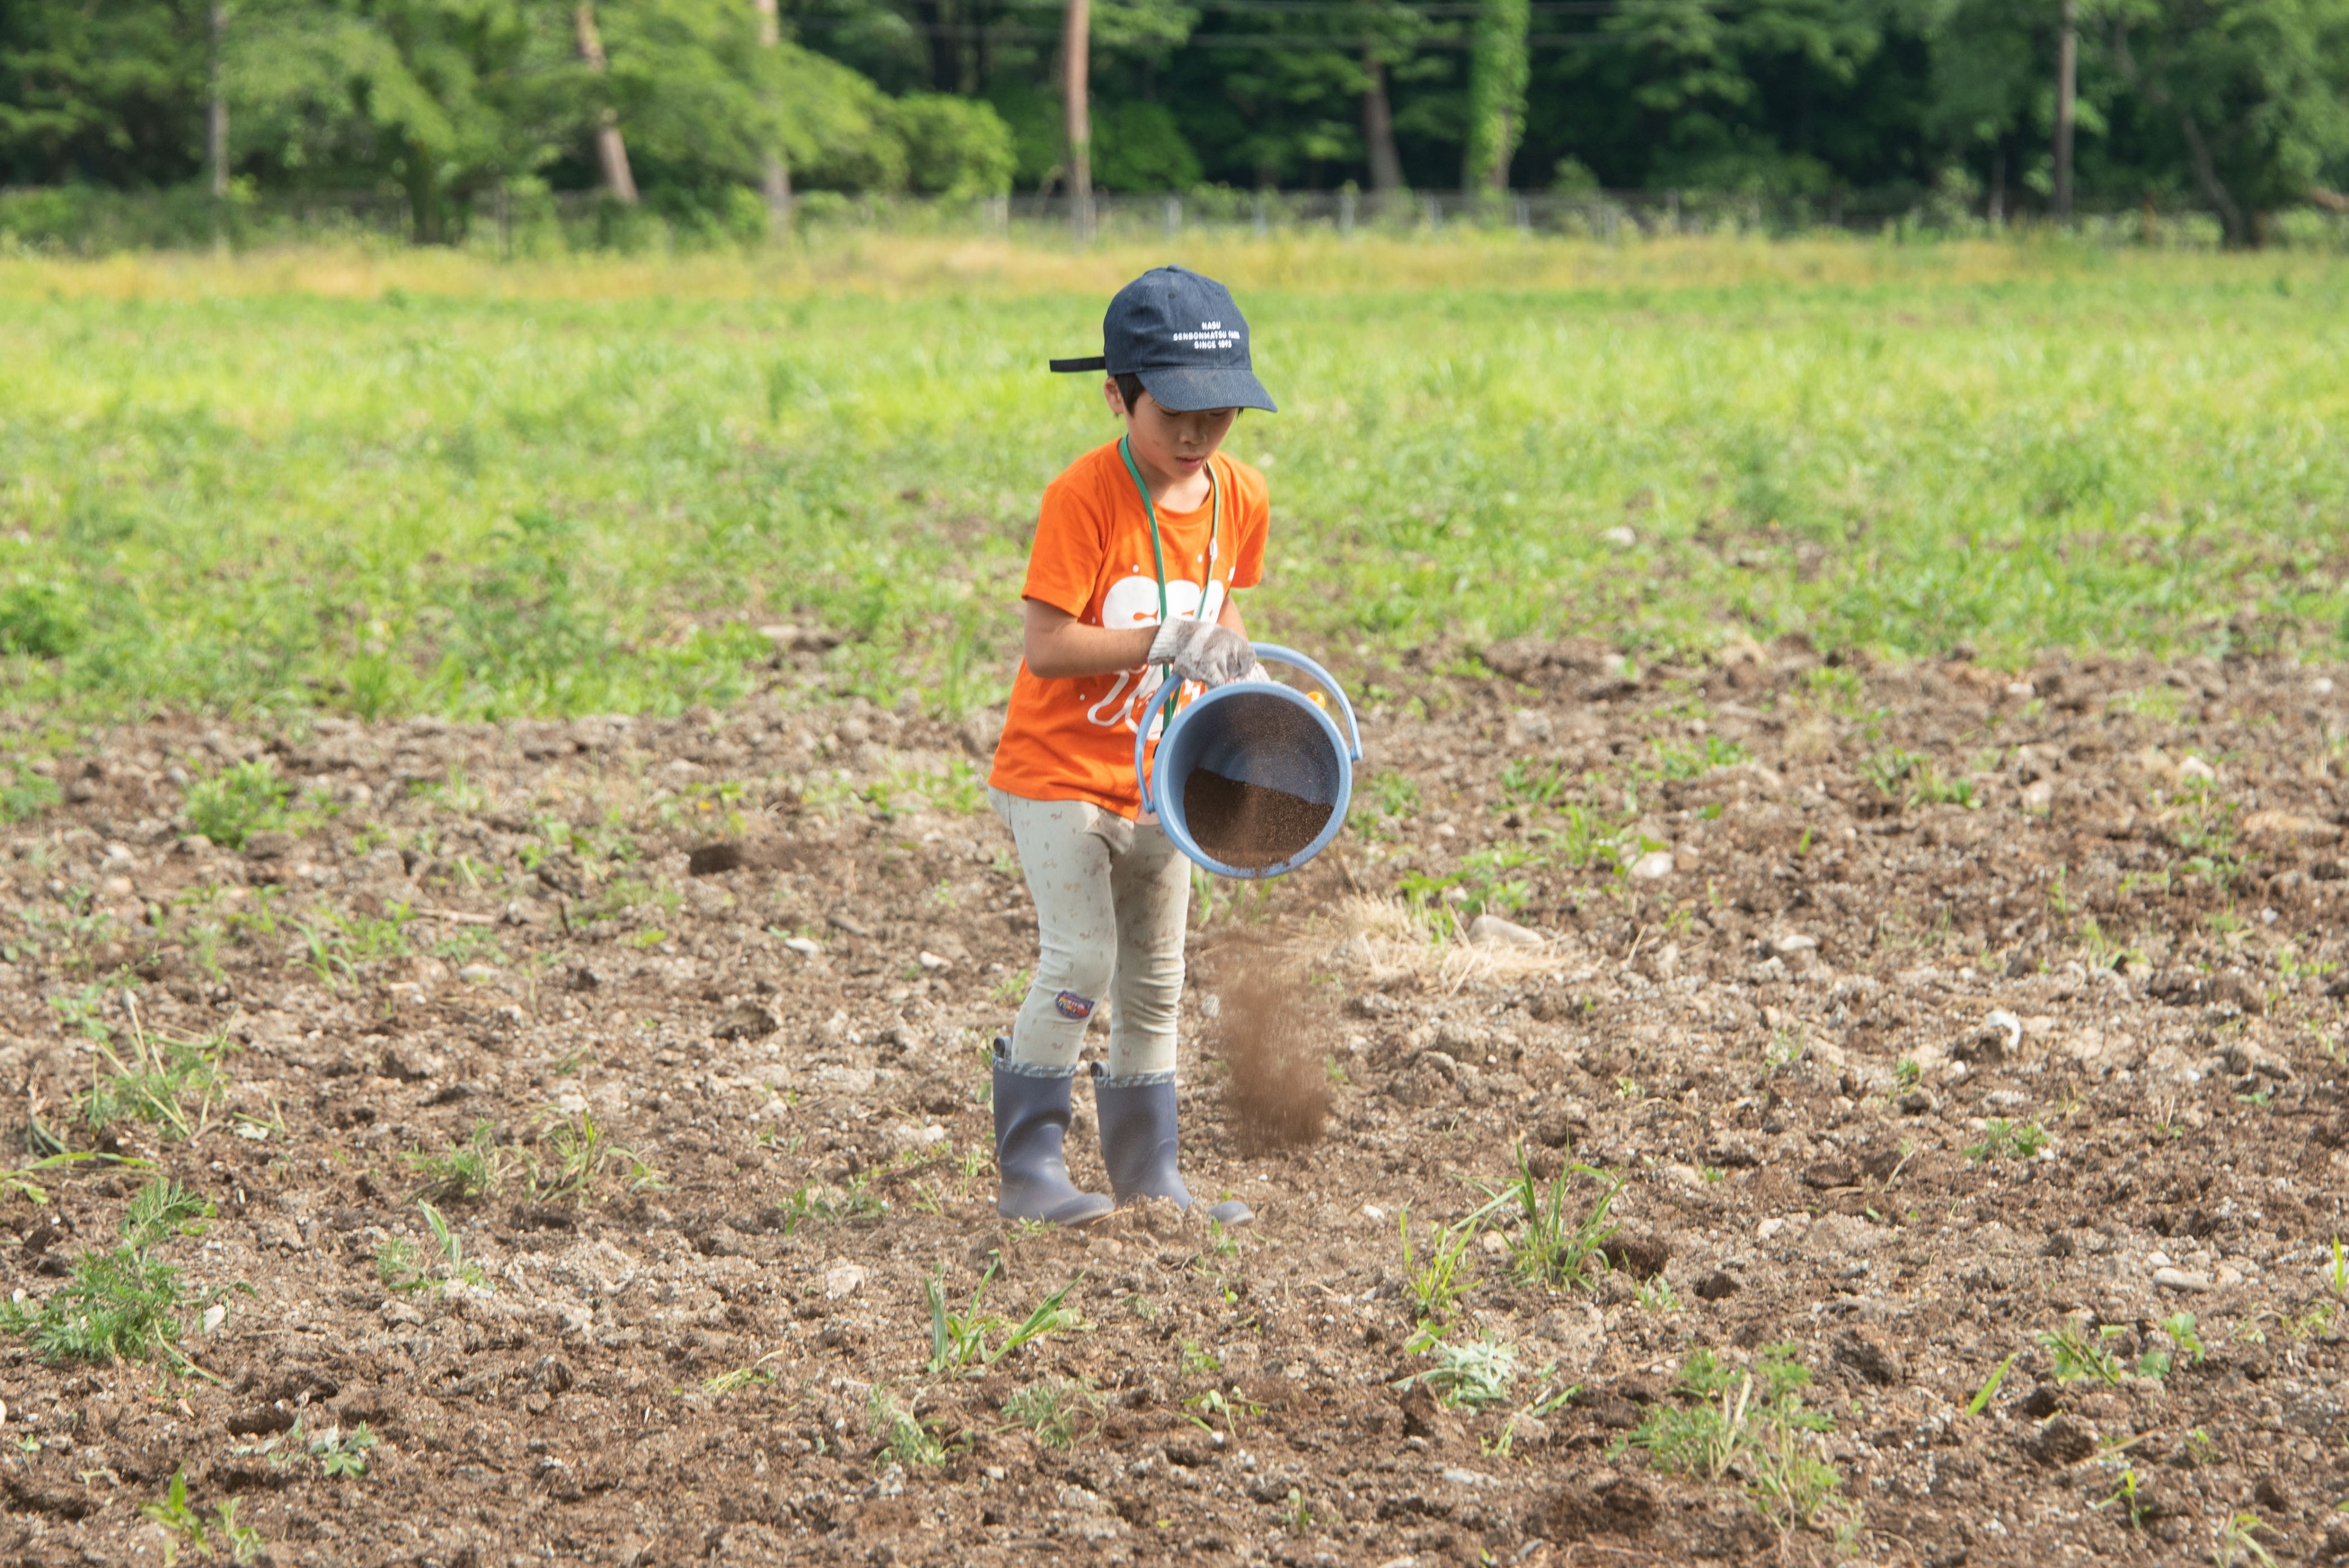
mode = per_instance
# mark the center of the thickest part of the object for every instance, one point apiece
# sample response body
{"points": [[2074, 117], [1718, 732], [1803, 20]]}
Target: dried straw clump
{"points": [[1394, 941]]}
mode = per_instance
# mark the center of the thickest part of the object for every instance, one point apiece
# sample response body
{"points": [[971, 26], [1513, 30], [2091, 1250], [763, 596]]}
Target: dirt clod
{"points": [[2062, 1441], [1869, 1359]]}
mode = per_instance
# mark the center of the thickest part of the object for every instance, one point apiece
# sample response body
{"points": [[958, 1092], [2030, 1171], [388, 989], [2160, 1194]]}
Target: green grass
{"points": [[118, 1305], [238, 802], [1751, 1424], [959, 1336], [1054, 1410], [169, 1085], [1558, 1242], [285, 483], [476, 1167]]}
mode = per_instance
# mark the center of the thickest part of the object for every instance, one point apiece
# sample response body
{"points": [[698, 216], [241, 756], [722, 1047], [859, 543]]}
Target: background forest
{"points": [[723, 109]]}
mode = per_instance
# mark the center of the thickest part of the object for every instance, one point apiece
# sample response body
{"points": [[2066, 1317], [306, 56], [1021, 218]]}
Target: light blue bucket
{"points": [[1251, 732]]}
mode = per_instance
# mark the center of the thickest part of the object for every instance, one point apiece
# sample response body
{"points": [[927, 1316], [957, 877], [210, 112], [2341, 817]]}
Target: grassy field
{"points": [[415, 482]]}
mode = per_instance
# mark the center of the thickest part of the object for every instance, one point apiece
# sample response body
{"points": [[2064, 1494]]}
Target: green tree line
{"points": [[731, 106]]}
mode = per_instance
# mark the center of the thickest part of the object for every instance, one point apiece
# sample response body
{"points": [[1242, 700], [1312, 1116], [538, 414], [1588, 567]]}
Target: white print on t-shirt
{"points": [[1133, 603]]}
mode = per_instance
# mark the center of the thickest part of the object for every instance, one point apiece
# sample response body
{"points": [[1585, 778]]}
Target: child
{"points": [[1139, 547]]}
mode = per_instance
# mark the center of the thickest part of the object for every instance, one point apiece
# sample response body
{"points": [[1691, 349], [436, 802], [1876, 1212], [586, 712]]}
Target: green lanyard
{"points": [[1157, 552]]}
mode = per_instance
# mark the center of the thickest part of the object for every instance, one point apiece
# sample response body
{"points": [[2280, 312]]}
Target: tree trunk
{"points": [[611, 151], [1378, 126], [2067, 83], [940, 17], [216, 106], [1076, 47], [777, 181], [1997, 209], [1497, 73], [423, 197], [2214, 189]]}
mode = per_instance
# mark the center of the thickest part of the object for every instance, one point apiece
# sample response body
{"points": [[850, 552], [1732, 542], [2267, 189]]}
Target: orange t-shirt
{"points": [[1072, 739]]}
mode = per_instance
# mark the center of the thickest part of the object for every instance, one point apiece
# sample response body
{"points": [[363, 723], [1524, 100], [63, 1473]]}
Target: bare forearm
{"points": [[1059, 646]]}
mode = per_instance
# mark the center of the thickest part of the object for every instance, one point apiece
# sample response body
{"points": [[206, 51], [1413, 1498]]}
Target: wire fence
{"points": [[523, 219]]}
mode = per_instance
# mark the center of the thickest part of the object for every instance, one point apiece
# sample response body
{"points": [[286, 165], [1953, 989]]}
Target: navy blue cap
{"points": [[1183, 337]]}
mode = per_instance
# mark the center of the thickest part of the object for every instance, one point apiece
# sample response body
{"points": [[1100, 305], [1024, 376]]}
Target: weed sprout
{"points": [[1752, 1423], [1559, 1244]]}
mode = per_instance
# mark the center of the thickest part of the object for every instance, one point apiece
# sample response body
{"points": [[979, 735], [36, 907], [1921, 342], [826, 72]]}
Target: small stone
{"points": [[842, 1281], [397, 1312], [278, 1233], [801, 945], [214, 1315], [1653, 866], [1619, 537], [478, 974], [1492, 931], [1792, 943], [2189, 1280], [2195, 768], [268, 846], [932, 962]]}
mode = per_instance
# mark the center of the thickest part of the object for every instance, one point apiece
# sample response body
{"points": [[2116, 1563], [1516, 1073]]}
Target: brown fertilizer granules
{"points": [[1250, 825]]}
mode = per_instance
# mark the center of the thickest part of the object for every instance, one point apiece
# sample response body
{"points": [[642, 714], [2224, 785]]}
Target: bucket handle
{"points": [[1274, 653], [1266, 652]]}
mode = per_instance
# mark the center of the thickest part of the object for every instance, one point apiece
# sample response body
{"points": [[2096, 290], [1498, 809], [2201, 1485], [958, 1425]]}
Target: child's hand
{"points": [[1203, 651]]}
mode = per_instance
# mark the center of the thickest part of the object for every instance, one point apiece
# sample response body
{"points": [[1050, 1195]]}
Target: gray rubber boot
{"points": [[1139, 1146], [1031, 1118]]}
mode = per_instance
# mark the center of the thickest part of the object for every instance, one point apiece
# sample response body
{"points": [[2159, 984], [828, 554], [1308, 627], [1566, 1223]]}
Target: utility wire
{"points": [[1000, 33]]}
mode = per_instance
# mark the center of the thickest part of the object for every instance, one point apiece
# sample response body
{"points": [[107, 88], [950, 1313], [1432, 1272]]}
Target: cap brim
{"points": [[1187, 388]]}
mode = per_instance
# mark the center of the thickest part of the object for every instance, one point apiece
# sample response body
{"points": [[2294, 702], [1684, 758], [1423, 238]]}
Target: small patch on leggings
{"points": [[1069, 1004]]}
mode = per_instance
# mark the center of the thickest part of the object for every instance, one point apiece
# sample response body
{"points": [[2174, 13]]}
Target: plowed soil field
{"points": [[1957, 1029]]}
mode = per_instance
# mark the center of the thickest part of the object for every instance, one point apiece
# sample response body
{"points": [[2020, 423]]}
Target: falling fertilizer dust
{"points": [[1278, 1095]]}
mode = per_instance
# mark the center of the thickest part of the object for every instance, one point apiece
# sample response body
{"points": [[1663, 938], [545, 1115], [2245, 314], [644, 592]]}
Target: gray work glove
{"points": [[1203, 651]]}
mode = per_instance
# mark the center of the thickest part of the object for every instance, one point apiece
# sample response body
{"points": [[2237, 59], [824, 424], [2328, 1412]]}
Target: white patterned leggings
{"points": [[1111, 901]]}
